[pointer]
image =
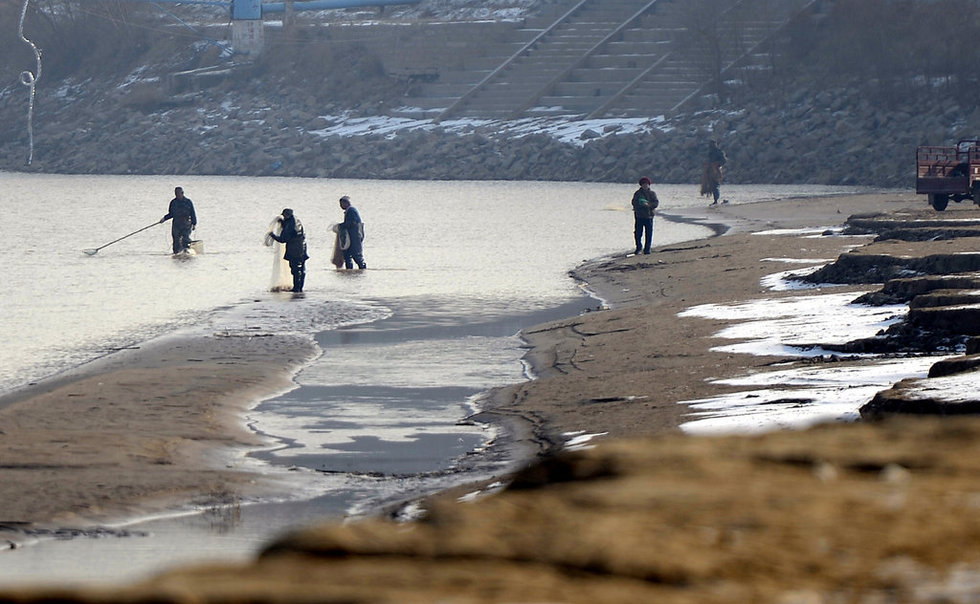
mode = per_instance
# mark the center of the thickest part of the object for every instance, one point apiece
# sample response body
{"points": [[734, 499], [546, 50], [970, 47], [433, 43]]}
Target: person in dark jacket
{"points": [[352, 235], [294, 238], [714, 170], [181, 210], [644, 203]]}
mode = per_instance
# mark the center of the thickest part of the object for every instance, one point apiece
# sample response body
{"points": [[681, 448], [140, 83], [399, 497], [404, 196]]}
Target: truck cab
{"points": [[944, 173]]}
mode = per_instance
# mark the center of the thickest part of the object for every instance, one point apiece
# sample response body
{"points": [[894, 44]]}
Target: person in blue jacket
{"points": [[294, 238], [352, 235], [181, 210]]}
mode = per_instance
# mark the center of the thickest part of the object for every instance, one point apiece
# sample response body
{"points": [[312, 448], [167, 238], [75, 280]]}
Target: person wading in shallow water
{"points": [[184, 220], [644, 203], [293, 236], [352, 235]]}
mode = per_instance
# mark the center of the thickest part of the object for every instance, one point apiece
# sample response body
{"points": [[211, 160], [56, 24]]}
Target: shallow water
{"points": [[456, 270]]}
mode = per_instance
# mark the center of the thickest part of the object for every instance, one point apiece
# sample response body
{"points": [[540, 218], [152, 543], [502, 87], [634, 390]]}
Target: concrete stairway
{"points": [[701, 64], [517, 85], [604, 58], [610, 68], [461, 65]]}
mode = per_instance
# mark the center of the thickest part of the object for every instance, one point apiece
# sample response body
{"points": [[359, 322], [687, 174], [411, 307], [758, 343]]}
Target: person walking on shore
{"points": [[294, 237], [351, 232], [713, 171], [644, 203], [181, 211]]}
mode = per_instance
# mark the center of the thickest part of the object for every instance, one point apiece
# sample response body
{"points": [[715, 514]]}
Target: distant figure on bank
{"points": [[184, 220], [292, 235], [713, 171], [351, 234], [644, 203]]}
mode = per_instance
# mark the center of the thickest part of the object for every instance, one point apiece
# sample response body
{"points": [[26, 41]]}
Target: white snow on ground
{"points": [[798, 398], [580, 440], [790, 326], [801, 397], [562, 129], [957, 388], [799, 260], [785, 281]]}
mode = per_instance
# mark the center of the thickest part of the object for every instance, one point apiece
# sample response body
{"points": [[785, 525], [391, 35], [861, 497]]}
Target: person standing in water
{"points": [[644, 203], [292, 235], [181, 211], [351, 235]]}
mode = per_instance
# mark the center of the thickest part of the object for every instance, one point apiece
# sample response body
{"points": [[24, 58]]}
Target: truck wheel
{"points": [[939, 202]]}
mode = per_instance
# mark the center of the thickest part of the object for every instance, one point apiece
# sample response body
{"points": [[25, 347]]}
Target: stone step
{"points": [[946, 298], [962, 320], [879, 268], [904, 290], [634, 58], [572, 104], [587, 89], [647, 46], [428, 102], [605, 73]]}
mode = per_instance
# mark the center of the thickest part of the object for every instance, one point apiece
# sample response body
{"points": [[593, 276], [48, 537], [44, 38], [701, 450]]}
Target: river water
{"points": [[456, 269]]}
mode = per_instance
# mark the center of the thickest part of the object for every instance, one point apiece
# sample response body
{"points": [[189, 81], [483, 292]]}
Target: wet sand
{"points": [[141, 430], [147, 429]]}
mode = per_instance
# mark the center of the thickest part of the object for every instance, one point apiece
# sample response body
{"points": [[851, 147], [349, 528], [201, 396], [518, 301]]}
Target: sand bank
{"points": [[140, 430], [622, 371]]}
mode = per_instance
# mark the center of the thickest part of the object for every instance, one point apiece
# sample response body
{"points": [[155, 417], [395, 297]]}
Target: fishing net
{"points": [[337, 258], [282, 279]]}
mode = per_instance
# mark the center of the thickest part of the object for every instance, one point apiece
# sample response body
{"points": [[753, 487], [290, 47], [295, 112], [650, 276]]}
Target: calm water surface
{"points": [[456, 269]]}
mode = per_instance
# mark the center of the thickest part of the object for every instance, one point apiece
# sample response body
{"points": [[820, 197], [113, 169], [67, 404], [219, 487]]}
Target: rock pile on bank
{"points": [[834, 137]]}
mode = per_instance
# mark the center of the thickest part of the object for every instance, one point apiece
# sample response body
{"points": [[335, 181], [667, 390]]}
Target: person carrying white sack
{"points": [[291, 234]]}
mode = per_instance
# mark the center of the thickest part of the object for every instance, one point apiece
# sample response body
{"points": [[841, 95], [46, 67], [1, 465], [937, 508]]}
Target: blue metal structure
{"points": [[246, 15], [246, 9], [278, 7], [255, 9]]}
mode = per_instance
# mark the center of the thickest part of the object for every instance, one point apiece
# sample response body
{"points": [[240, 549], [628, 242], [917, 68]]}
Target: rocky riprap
{"points": [[97, 133]]}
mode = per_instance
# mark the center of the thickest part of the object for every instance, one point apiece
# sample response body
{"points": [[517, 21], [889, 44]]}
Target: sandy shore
{"points": [[144, 429], [140, 430], [621, 372]]}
